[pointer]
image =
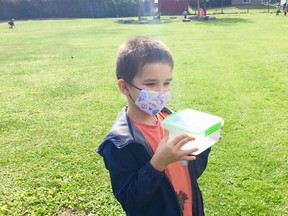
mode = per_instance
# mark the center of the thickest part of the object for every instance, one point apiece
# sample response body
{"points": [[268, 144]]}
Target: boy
{"points": [[11, 23], [145, 169]]}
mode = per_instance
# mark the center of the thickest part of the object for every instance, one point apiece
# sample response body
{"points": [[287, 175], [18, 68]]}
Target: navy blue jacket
{"points": [[137, 185]]}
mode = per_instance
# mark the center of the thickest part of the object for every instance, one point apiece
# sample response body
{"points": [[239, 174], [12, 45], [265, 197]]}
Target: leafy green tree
{"points": [[119, 2]]}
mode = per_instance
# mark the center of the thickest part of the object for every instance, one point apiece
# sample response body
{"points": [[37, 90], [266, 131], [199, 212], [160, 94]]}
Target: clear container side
{"points": [[192, 121], [202, 143]]}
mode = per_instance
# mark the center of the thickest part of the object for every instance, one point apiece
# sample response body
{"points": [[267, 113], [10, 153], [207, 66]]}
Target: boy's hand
{"points": [[169, 152]]}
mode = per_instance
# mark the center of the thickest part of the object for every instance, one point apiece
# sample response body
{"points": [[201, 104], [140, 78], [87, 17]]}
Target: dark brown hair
{"points": [[137, 52]]}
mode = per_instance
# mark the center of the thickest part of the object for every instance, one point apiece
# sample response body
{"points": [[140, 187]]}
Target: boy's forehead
{"points": [[155, 71]]}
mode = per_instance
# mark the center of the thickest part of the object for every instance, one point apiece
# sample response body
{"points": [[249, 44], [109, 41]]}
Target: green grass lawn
{"points": [[58, 99]]}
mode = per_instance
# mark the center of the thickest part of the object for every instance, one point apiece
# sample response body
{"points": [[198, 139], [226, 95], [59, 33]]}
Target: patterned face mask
{"points": [[151, 102]]}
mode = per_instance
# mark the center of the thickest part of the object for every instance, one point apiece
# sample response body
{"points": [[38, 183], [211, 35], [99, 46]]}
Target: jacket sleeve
{"points": [[134, 180], [200, 164]]}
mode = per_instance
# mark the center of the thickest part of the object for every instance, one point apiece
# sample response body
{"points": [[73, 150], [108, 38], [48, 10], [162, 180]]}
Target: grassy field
{"points": [[58, 99]]}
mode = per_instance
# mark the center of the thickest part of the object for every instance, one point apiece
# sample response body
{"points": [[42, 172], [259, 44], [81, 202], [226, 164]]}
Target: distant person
{"points": [[202, 12], [285, 9], [158, 15], [11, 23], [278, 9], [185, 14]]}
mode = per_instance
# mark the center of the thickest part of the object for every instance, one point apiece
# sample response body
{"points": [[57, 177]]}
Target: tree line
{"points": [[32, 9], [39, 9]]}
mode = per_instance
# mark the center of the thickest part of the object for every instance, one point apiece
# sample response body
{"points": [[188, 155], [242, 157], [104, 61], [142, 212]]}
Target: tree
{"points": [[117, 3]]}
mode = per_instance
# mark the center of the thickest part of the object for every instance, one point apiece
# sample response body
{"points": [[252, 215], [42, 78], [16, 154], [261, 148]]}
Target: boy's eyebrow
{"points": [[153, 80]]}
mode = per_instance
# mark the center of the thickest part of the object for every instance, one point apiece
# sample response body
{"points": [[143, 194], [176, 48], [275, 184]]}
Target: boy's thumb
{"points": [[166, 134]]}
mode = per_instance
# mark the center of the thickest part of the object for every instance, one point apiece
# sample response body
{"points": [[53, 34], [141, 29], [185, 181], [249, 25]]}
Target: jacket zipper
{"points": [[178, 202], [149, 151]]}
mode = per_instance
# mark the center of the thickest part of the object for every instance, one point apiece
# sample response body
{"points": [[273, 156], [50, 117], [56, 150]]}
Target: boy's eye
{"points": [[153, 84], [150, 84]]}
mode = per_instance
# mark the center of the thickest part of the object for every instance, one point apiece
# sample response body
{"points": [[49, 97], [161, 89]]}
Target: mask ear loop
{"points": [[131, 98], [134, 87]]}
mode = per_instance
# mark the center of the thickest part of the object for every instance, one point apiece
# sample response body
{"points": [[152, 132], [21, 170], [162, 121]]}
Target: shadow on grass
{"points": [[256, 7], [226, 21], [144, 21], [218, 21]]}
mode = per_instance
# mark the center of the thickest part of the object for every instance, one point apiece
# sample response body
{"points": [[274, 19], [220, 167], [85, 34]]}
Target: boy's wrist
{"points": [[156, 165]]}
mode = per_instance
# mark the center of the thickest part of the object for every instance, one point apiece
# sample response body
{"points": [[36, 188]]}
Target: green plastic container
{"points": [[204, 127]]}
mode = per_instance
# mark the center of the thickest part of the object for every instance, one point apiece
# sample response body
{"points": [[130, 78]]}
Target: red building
{"points": [[172, 7]]}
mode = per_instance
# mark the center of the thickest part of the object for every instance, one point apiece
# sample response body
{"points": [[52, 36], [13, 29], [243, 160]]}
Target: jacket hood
{"points": [[123, 132]]}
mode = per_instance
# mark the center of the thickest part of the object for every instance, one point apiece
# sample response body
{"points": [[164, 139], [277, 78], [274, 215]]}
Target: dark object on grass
{"points": [[11, 23]]}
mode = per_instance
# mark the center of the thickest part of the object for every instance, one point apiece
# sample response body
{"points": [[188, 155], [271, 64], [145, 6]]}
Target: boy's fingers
{"points": [[185, 139], [189, 151], [179, 139], [188, 157]]}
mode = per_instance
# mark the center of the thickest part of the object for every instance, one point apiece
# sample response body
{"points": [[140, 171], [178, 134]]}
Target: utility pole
{"points": [[198, 8], [139, 10]]}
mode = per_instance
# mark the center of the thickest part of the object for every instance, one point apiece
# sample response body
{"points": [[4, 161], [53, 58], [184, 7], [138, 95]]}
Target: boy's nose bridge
{"points": [[161, 87]]}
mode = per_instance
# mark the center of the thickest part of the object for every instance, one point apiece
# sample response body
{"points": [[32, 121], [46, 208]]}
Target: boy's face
{"points": [[153, 76]]}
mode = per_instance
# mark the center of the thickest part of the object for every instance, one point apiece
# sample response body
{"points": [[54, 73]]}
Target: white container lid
{"points": [[193, 122]]}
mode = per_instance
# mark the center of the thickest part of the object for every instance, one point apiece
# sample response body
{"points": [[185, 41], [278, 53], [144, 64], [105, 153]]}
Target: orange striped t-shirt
{"points": [[177, 174]]}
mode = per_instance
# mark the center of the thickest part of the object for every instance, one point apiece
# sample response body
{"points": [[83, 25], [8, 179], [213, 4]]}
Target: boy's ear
{"points": [[123, 86]]}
